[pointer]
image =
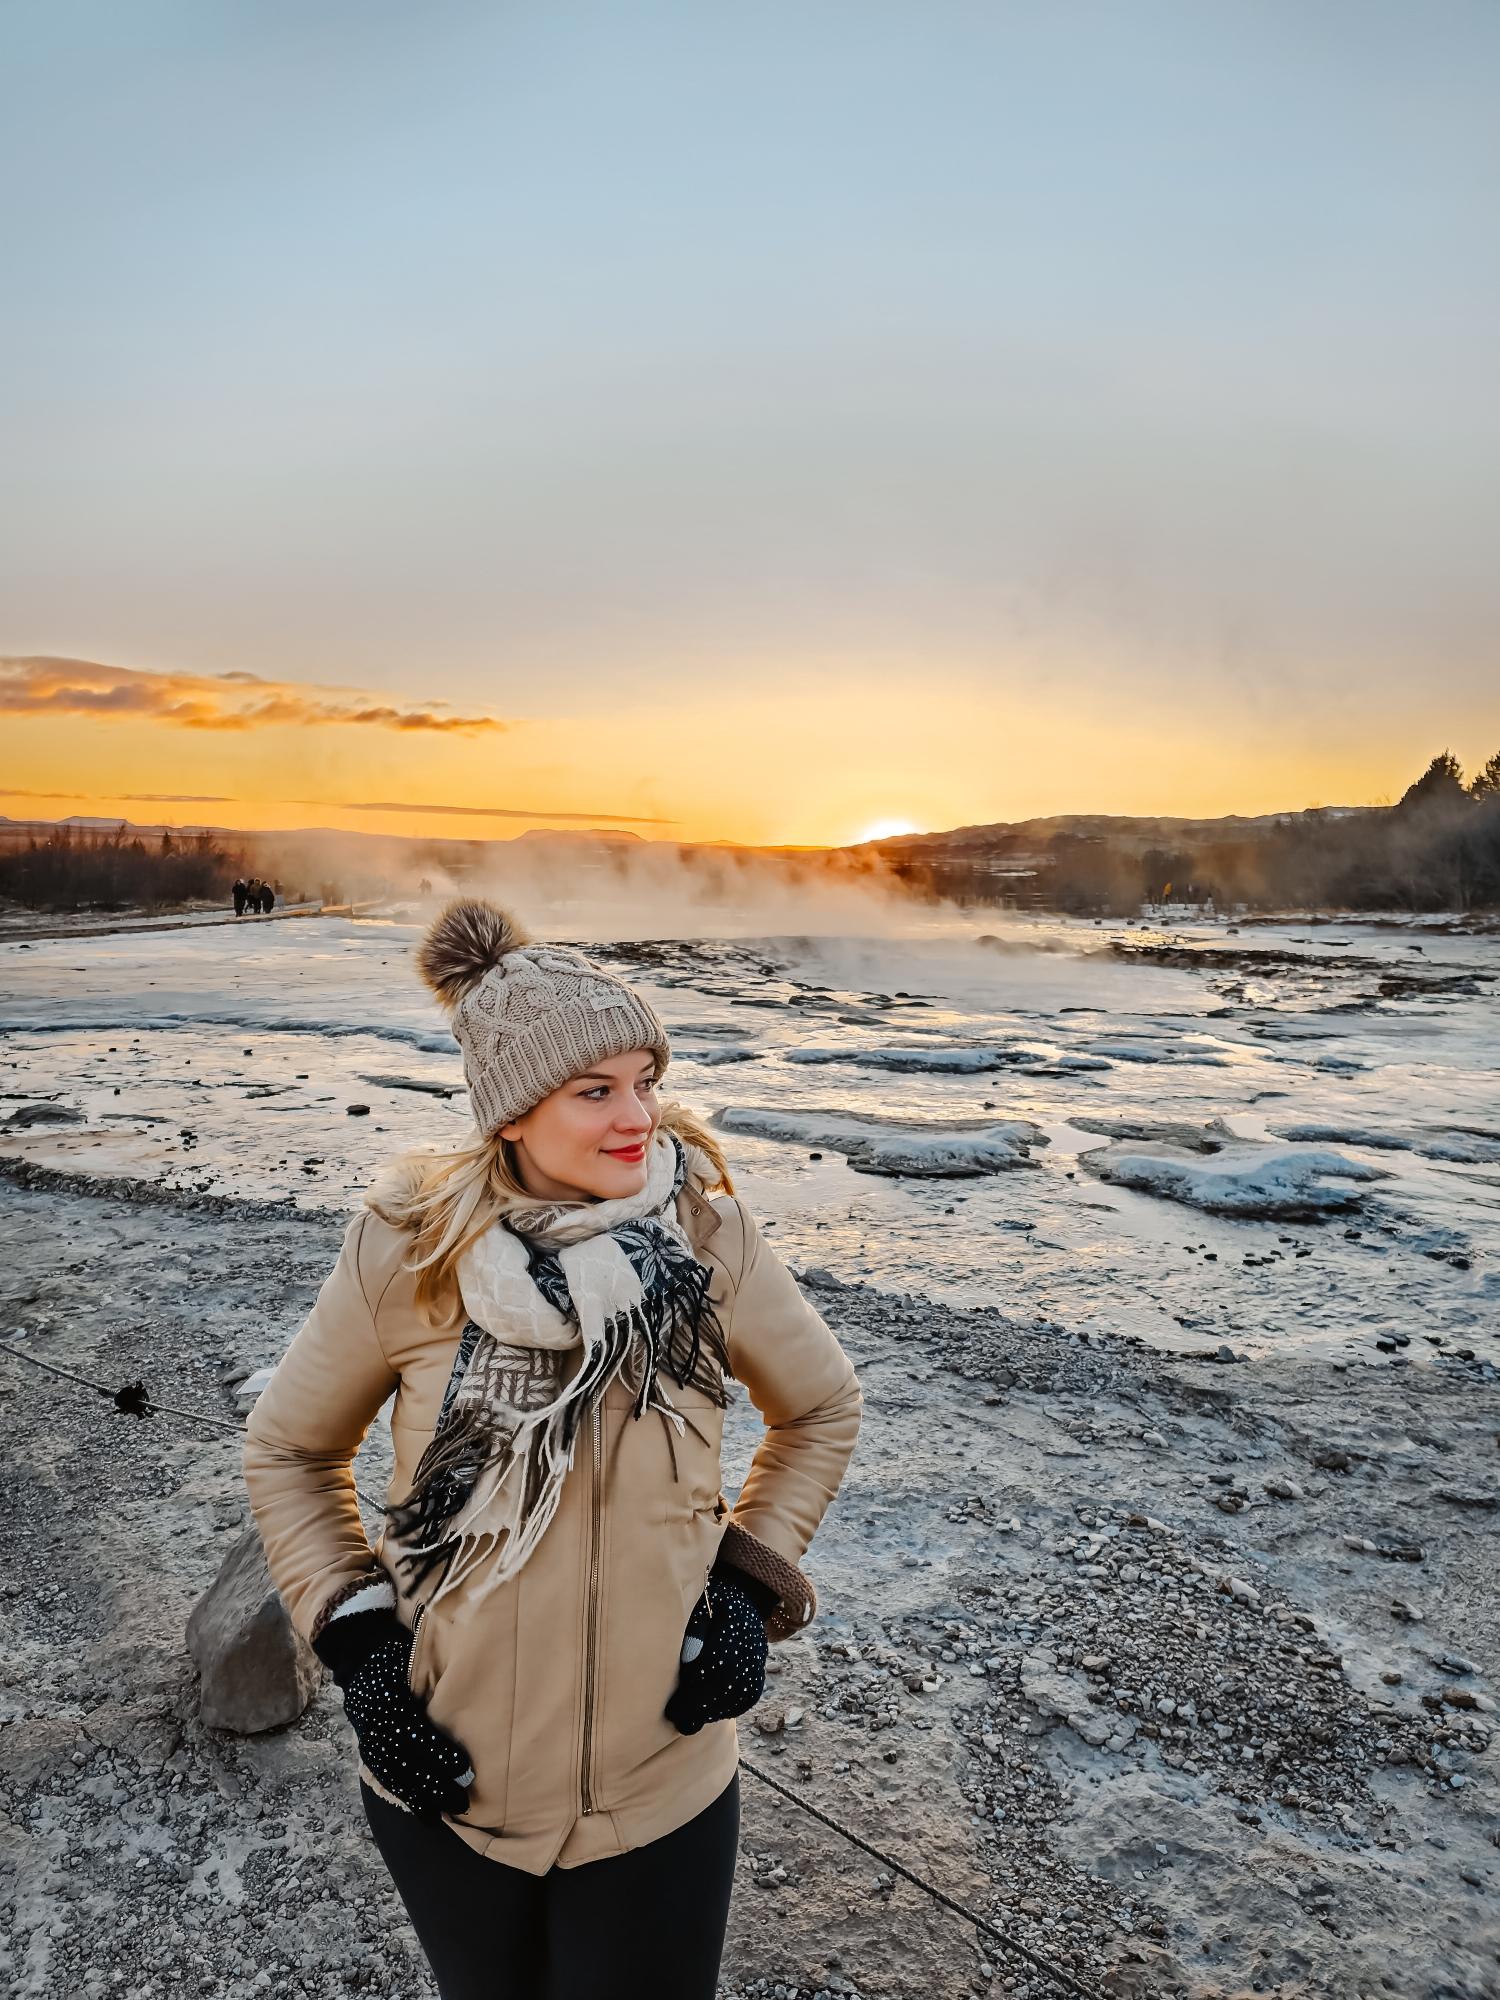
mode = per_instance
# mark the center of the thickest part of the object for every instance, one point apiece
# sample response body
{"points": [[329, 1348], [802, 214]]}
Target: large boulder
{"points": [[255, 1670]]}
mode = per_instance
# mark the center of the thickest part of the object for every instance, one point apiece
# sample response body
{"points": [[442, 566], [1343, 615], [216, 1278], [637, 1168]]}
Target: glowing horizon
{"points": [[838, 760]]}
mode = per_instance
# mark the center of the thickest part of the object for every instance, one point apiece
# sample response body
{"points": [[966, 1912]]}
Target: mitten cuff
{"points": [[794, 1599], [371, 1590], [356, 1619], [346, 1643]]}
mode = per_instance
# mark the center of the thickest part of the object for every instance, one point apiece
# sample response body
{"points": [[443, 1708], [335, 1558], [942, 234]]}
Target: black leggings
{"points": [[644, 1925]]}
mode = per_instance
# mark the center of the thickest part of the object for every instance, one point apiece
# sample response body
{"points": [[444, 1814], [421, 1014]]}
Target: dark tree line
{"points": [[1437, 848], [78, 868]]}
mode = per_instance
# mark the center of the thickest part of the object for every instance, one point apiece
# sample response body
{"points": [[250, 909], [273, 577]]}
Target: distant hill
{"points": [[1126, 830]]}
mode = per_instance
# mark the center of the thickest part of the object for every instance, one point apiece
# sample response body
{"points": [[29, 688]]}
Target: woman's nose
{"points": [[633, 1117]]}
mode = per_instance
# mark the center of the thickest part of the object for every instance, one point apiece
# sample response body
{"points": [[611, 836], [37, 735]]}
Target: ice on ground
{"points": [[935, 1061], [27, 1115], [1209, 1138], [1158, 1052], [891, 1146], [1346, 1135], [384, 1081], [1029, 1058], [1246, 1181], [1462, 1145], [1041, 1059], [137, 1036], [439, 1043]]}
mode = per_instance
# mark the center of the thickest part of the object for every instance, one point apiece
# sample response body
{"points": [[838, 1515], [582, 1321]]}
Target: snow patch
{"points": [[890, 1146], [1248, 1183]]}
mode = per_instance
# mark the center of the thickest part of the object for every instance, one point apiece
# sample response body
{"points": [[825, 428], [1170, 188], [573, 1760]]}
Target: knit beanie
{"points": [[528, 1017]]}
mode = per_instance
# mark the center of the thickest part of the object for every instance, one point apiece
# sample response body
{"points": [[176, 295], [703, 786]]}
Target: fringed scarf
{"points": [[617, 1279]]}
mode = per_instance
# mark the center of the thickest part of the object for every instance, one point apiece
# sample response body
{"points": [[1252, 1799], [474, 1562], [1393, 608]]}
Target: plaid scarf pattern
{"points": [[562, 1299]]}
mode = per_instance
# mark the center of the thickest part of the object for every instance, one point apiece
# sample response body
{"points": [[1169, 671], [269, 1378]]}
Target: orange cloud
{"points": [[489, 812], [232, 701]]}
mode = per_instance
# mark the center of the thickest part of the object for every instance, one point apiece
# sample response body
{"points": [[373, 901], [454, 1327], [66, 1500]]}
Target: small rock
{"points": [[249, 1391], [1331, 1459], [1094, 1729], [255, 1671]]}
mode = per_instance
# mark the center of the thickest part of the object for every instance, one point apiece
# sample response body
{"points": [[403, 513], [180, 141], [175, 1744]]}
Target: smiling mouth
{"points": [[626, 1153]]}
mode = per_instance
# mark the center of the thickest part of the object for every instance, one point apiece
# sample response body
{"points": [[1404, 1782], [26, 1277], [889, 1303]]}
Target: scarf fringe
{"points": [[674, 1329]]}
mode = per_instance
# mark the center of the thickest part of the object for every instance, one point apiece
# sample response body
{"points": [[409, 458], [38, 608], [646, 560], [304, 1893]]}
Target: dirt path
{"points": [[1108, 1651], [26, 928]]}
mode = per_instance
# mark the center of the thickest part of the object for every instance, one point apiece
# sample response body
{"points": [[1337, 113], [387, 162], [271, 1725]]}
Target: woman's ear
{"points": [[512, 1131]]}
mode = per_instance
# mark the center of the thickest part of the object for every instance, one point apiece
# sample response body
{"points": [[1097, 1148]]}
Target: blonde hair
{"points": [[447, 1199]]}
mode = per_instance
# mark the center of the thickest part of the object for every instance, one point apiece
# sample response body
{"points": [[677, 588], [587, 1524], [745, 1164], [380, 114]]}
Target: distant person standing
{"points": [[267, 898], [241, 896]]}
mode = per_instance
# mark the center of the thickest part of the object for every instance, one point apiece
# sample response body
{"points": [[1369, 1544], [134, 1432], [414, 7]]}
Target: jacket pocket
{"points": [[695, 1528], [651, 1599], [462, 1668]]}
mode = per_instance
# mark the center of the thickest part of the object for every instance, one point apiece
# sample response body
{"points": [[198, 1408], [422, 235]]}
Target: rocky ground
{"points": [[1179, 1671]]}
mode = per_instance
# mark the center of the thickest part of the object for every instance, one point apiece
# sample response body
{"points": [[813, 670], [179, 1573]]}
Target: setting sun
{"points": [[886, 829]]}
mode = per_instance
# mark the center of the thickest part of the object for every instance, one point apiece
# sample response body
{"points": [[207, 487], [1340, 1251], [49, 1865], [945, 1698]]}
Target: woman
{"points": [[543, 1657]]}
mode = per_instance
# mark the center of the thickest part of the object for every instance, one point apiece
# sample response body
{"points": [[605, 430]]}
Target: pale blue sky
{"points": [[493, 351]]}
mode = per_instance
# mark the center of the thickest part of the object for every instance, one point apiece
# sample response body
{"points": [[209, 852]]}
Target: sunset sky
{"points": [[769, 423]]}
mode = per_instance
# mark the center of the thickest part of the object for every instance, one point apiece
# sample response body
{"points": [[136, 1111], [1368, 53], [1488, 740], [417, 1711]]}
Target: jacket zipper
{"points": [[591, 1644], [416, 1640]]}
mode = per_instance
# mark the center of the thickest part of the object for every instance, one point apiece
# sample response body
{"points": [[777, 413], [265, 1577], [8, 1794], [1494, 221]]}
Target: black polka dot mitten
{"points": [[723, 1662], [368, 1655]]}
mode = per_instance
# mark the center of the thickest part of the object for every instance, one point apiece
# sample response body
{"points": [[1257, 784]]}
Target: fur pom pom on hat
{"points": [[468, 940], [527, 1016]]}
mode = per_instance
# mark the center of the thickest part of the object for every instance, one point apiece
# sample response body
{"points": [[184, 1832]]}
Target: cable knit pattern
{"points": [[543, 1015], [797, 1601]]}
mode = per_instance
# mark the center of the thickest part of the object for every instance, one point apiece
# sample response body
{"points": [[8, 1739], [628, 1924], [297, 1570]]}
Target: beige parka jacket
{"points": [[555, 1682]]}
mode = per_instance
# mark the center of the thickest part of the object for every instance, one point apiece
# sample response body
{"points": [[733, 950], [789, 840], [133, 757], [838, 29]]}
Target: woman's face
{"points": [[591, 1136]]}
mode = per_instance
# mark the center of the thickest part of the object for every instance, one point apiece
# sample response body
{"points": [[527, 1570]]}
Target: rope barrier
{"points": [[133, 1400], [1007, 1943]]}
